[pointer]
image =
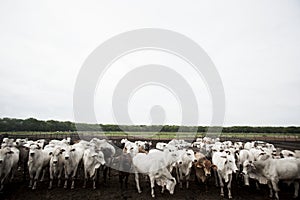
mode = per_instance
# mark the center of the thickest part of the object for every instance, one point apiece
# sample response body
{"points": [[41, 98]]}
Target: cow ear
{"points": [[38, 146], [50, 153], [198, 166], [72, 149], [62, 150], [223, 156], [214, 167]]}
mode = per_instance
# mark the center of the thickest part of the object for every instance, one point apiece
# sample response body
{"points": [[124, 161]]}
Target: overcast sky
{"points": [[255, 46]]}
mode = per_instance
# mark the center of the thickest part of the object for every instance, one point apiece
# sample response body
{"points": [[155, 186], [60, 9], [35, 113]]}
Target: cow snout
{"points": [[55, 161], [67, 157], [180, 162], [195, 160], [32, 154]]}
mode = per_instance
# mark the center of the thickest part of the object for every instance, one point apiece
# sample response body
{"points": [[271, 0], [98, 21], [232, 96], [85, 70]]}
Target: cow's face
{"points": [[206, 165], [67, 152], [4, 153], [99, 157], [171, 185], [130, 148], [230, 162], [56, 154], [191, 155], [247, 167], [21, 142], [33, 149], [6, 142]]}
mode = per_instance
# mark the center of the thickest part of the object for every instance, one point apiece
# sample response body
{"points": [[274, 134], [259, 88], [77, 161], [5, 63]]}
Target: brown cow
{"points": [[203, 170]]}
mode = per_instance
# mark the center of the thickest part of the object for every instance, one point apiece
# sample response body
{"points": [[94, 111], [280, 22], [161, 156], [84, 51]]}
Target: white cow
{"points": [[56, 165], [9, 158], [108, 150], [184, 166], [92, 160], [225, 168], [154, 166], [38, 160], [72, 155], [273, 170]]}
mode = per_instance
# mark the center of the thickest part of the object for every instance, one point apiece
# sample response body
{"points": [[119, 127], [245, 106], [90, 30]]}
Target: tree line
{"points": [[32, 124]]}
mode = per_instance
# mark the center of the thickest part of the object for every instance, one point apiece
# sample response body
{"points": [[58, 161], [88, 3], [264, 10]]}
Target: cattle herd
{"points": [[165, 164]]}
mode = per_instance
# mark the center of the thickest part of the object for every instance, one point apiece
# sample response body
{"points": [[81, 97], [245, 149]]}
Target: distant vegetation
{"points": [[31, 124]]}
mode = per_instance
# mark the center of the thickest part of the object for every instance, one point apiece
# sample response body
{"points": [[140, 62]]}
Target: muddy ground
{"points": [[18, 189]]}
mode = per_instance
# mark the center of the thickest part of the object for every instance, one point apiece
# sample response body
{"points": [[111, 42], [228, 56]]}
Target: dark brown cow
{"points": [[203, 170]]}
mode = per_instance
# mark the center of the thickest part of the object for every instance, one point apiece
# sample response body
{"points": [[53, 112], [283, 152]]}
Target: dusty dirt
{"points": [[18, 190]]}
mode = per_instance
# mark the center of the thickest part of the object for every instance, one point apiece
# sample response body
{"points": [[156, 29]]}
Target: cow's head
{"points": [[170, 185], [21, 142], [247, 167], [4, 153], [99, 158], [230, 163], [56, 155], [206, 165], [33, 148], [67, 152]]}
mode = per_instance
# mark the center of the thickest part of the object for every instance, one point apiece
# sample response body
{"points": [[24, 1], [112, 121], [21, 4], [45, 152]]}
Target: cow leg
{"points": [[66, 179], [105, 170], [2, 184], [73, 177], [296, 185], [37, 174], [216, 177], [221, 184], [85, 178], [59, 177], [51, 178], [24, 170], [270, 188], [258, 188], [31, 174], [246, 180], [275, 187], [178, 173], [136, 175], [13, 171], [229, 186], [43, 175], [206, 185], [152, 185], [187, 180], [121, 180], [126, 180], [94, 180]]}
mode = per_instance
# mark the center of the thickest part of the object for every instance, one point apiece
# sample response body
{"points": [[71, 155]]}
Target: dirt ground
{"points": [[18, 189]]}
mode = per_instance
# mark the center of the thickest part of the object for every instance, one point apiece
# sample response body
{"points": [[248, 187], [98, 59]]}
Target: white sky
{"points": [[254, 44]]}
